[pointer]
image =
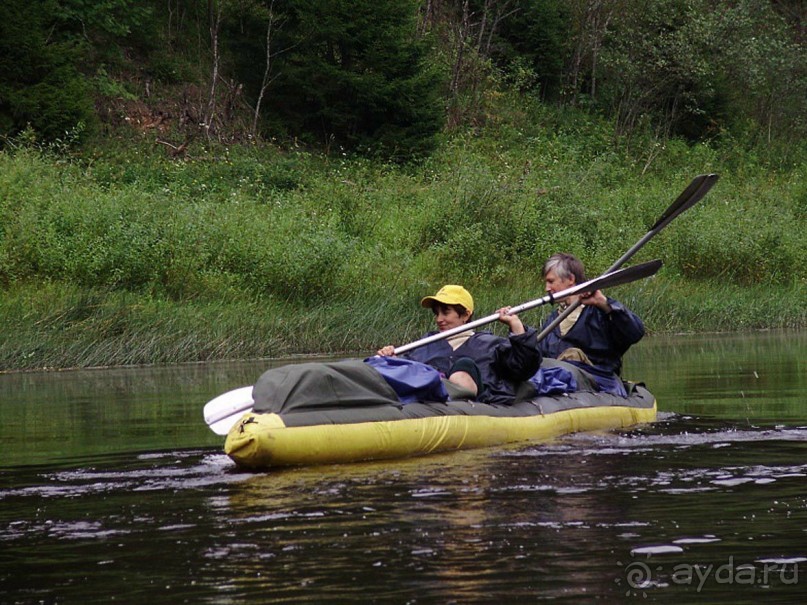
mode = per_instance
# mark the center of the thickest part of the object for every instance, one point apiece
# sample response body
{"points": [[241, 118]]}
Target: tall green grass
{"points": [[57, 325], [122, 255]]}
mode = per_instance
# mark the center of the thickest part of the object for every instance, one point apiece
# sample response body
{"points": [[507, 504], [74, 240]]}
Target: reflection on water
{"points": [[706, 505], [760, 376], [48, 416]]}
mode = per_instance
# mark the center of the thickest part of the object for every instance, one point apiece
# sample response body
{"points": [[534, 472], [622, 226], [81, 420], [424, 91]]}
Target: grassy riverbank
{"points": [[123, 255]]}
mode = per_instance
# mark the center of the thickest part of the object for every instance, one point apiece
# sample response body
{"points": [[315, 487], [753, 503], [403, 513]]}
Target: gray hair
{"points": [[565, 265]]}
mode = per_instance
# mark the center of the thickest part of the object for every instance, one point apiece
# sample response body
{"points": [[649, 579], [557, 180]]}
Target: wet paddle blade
{"points": [[690, 196], [624, 276], [222, 412], [694, 193]]}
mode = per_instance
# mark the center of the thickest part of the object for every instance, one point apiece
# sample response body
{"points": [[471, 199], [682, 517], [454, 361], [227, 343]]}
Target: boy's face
{"points": [[446, 317]]}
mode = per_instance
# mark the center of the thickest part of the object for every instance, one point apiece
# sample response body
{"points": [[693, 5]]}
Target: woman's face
{"points": [[446, 317]]}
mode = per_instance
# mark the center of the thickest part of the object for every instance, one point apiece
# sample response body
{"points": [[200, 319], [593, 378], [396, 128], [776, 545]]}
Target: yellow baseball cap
{"points": [[450, 295]]}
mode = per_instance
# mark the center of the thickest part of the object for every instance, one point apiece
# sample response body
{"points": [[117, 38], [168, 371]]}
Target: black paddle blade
{"points": [[624, 276], [690, 196]]}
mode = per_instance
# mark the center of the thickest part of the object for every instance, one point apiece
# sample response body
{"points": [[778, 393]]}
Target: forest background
{"points": [[189, 180]]}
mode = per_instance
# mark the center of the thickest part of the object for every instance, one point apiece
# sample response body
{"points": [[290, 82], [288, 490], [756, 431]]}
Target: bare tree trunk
{"points": [[214, 13], [427, 16], [473, 41], [170, 17], [462, 33], [500, 15], [592, 18], [267, 70], [600, 22], [483, 24]]}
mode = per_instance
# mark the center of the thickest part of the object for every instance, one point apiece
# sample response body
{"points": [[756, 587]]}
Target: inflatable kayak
{"points": [[344, 412]]}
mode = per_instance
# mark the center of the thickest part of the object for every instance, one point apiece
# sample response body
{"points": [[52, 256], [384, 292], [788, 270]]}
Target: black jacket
{"points": [[501, 361], [603, 337]]}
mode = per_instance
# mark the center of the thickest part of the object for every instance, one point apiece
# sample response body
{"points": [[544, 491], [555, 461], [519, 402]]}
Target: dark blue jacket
{"points": [[603, 337], [501, 361]]}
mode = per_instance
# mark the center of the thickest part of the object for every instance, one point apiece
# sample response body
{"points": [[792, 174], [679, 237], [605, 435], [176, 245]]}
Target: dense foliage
{"points": [[385, 76], [347, 72], [132, 257], [40, 85], [190, 180]]}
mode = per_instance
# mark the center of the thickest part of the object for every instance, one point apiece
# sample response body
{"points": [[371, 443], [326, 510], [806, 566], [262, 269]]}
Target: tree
{"points": [[764, 69], [352, 74], [692, 68], [532, 45], [40, 87]]}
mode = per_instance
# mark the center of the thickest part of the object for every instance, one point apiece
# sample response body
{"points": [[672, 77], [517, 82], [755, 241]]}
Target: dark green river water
{"points": [[112, 489]]}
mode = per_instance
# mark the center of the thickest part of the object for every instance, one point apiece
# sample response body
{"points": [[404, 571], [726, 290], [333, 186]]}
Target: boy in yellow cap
{"points": [[476, 365]]}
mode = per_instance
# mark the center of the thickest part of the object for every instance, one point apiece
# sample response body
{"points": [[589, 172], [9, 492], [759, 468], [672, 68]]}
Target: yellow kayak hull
{"points": [[263, 441]]}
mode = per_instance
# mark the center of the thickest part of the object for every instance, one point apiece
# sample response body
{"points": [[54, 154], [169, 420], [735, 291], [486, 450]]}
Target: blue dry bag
{"points": [[553, 381], [411, 380]]}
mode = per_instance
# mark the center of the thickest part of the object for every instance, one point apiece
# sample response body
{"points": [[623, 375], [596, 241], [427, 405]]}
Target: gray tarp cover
{"points": [[314, 386], [350, 391]]}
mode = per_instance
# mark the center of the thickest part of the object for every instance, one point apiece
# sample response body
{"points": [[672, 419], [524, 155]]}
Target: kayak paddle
{"points": [[694, 193], [222, 412]]}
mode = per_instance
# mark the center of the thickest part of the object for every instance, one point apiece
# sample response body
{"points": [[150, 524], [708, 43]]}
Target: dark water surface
{"points": [[112, 489]]}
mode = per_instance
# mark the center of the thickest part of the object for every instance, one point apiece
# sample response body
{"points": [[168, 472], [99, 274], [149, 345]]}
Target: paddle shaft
{"points": [[222, 412], [233, 404], [614, 278], [694, 193]]}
